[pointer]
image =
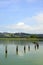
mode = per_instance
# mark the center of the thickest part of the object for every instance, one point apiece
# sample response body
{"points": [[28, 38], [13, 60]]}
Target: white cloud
{"points": [[24, 27], [39, 18], [36, 19], [35, 28], [19, 26]]}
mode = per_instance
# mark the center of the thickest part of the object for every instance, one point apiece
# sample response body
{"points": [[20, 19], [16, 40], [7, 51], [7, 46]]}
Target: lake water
{"points": [[21, 53]]}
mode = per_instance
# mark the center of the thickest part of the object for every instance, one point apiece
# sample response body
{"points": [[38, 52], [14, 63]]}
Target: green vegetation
{"points": [[21, 36], [28, 39]]}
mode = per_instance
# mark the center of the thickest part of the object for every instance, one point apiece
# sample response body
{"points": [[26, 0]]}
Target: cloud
{"points": [[39, 18], [32, 24], [35, 28], [19, 26], [22, 27], [36, 19]]}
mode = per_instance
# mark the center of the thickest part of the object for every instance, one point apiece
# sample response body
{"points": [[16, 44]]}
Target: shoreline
{"points": [[27, 39]]}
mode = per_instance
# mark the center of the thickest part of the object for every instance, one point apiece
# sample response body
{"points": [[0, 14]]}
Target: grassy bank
{"points": [[28, 39]]}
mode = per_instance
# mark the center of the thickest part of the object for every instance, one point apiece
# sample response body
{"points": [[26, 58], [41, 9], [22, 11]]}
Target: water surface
{"points": [[21, 53]]}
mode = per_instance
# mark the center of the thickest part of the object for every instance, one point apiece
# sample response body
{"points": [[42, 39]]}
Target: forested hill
{"points": [[14, 35]]}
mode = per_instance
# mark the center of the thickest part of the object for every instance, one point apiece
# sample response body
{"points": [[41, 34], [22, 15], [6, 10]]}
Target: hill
{"points": [[21, 35]]}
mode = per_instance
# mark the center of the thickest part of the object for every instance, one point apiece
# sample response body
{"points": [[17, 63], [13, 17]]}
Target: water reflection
{"points": [[28, 48], [24, 49], [36, 45], [14, 54], [16, 50], [6, 51]]}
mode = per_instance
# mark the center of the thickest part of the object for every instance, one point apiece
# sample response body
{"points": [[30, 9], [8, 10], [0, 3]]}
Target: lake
{"points": [[21, 53]]}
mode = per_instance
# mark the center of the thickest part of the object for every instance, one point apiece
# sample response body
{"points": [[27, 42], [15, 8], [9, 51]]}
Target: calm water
{"points": [[21, 53]]}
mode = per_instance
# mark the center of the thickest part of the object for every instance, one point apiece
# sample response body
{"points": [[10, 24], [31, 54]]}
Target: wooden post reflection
{"points": [[6, 51], [24, 49], [17, 50], [37, 46], [28, 48]]}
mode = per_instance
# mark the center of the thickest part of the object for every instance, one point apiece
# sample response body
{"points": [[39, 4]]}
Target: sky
{"points": [[21, 16]]}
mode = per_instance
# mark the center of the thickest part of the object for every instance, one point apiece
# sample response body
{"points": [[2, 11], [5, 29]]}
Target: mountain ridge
{"points": [[9, 35]]}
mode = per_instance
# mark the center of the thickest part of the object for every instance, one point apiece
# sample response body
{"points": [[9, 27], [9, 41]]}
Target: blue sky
{"points": [[21, 16]]}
